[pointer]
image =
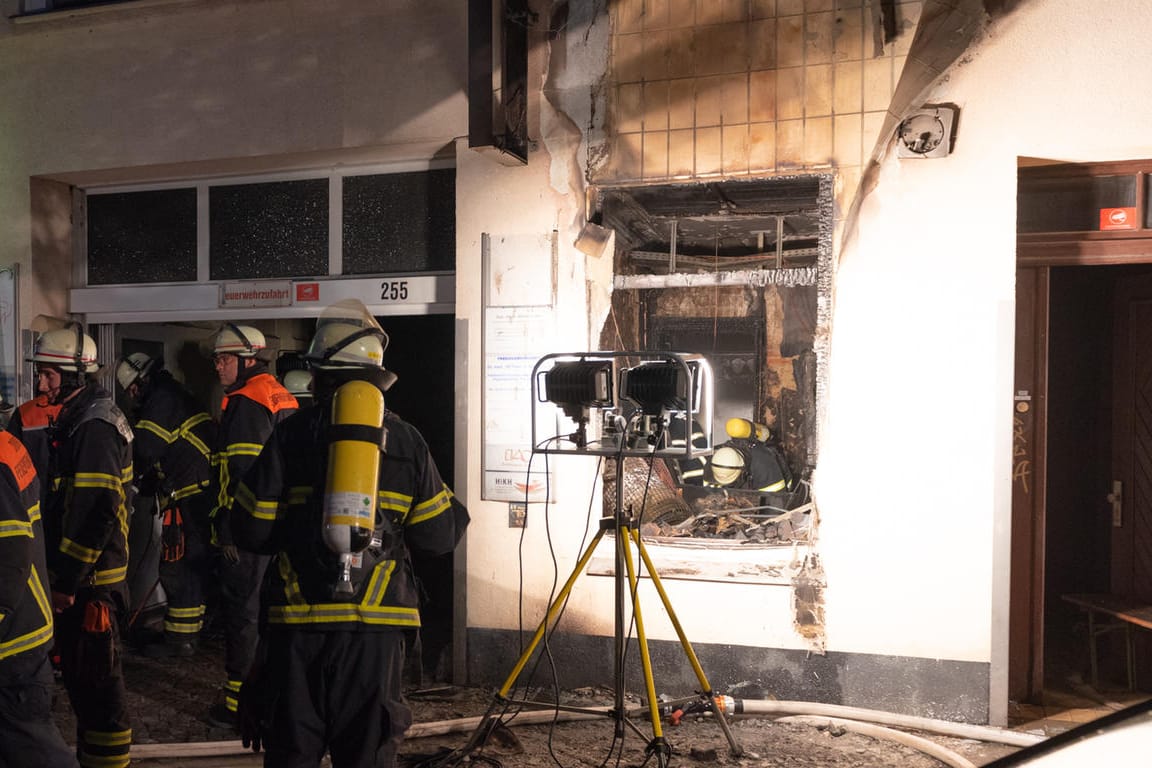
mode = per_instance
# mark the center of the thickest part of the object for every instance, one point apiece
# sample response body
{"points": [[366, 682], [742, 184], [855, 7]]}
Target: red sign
{"points": [[311, 291], [1117, 218]]}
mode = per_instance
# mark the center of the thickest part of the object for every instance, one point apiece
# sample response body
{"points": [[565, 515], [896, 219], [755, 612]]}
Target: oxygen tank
{"points": [[355, 441], [745, 429]]}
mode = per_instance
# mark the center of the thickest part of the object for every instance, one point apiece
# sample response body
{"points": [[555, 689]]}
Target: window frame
{"points": [[335, 261]]}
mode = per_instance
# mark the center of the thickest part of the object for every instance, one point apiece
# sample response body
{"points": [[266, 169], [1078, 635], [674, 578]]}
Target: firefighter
{"points": [[750, 460], [172, 459], [254, 402], [28, 737], [332, 650], [30, 424], [90, 478]]}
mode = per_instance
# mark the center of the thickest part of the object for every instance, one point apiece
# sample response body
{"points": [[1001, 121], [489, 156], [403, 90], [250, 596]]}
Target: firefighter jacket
{"points": [[90, 493], [174, 439], [25, 607], [764, 467], [279, 510], [250, 409], [30, 424]]}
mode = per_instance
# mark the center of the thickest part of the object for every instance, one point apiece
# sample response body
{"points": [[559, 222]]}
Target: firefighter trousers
{"points": [[333, 691], [240, 608], [29, 738], [184, 570], [88, 640]]}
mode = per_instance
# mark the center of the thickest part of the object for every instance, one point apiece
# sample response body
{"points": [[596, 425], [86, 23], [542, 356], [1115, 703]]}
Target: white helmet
{"points": [[69, 349], [298, 382], [242, 340], [136, 366], [727, 465], [347, 336]]}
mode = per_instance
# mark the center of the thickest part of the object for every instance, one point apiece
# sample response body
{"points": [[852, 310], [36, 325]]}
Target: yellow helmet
{"points": [[69, 349], [347, 336], [242, 340]]}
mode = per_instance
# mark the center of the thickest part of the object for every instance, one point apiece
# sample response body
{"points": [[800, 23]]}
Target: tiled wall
{"points": [[710, 88]]}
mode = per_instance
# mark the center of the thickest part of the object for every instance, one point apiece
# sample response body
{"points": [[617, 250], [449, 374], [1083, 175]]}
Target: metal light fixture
{"points": [[637, 404], [658, 386], [577, 386]]}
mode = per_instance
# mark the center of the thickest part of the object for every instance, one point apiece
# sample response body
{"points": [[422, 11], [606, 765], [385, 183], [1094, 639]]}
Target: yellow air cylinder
{"points": [[355, 442], [741, 429]]}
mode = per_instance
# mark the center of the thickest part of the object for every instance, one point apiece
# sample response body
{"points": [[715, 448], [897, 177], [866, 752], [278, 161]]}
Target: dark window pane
{"points": [[400, 222], [142, 237], [28, 7], [733, 345], [1070, 204], [1147, 202], [274, 229]]}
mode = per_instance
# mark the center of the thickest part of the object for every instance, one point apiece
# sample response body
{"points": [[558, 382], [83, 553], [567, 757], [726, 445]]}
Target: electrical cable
{"points": [[504, 718]]}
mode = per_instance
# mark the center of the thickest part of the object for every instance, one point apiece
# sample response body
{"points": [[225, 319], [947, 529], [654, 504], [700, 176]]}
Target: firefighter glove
{"points": [[172, 535]]}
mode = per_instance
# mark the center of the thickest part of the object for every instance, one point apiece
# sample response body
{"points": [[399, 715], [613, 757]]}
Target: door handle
{"points": [[1116, 499]]}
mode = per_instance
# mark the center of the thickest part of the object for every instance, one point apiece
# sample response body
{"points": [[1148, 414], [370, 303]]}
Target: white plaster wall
{"points": [[914, 476], [207, 81], [913, 482], [512, 578]]}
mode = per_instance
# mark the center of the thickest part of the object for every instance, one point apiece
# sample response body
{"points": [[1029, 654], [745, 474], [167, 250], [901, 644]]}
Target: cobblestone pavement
{"points": [[169, 699]]}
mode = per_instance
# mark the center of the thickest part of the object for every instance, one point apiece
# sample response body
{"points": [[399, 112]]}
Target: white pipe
{"points": [[737, 707], [930, 748]]}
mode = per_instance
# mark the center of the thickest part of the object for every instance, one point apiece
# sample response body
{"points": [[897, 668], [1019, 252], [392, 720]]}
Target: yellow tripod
{"points": [[627, 537]]}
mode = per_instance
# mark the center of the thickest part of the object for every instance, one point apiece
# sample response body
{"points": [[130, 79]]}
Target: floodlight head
{"points": [[578, 385], [659, 386]]}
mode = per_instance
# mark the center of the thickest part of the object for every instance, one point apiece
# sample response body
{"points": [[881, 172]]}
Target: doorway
{"points": [[421, 351], [1092, 318]]}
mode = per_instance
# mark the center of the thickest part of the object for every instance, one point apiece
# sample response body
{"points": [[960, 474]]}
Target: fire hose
{"points": [[875, 723]]}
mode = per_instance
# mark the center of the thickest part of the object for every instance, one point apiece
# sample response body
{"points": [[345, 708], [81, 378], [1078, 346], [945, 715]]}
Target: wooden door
{"points": [[1131, 557], [1131, 561], [1029, 418]]}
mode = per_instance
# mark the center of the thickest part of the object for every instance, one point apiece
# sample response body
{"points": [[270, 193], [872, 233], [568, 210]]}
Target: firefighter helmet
{"points": [[241, 340], [69, 349], [727, 465], [137, 365], [298, 382], [347, 336]]}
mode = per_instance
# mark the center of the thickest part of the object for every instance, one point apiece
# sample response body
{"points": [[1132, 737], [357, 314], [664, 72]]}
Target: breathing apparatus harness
{"points": [[353, 527]]}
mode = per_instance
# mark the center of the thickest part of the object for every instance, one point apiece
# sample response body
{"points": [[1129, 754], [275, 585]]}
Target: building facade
{"points": [[739, 176]]}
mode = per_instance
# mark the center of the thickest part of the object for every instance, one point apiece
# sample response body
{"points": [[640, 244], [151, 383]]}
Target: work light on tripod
{"points": [[577, 386], [657, 388]]}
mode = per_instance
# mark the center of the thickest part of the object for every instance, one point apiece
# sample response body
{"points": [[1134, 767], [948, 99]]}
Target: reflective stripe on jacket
{"points": [[279, 511], [25, 607], [249, 412], [174, 440], [90, 494]]}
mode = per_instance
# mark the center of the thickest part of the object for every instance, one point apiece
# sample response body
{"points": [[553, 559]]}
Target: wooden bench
{"points": [[1127, 614]]}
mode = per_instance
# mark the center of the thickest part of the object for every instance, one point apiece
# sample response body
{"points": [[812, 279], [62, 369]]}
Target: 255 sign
{"points": [[394, 290]]}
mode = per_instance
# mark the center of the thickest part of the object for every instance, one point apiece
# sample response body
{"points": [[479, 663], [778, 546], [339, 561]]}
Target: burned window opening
{"points": [[717, 226], [748, 323]]}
